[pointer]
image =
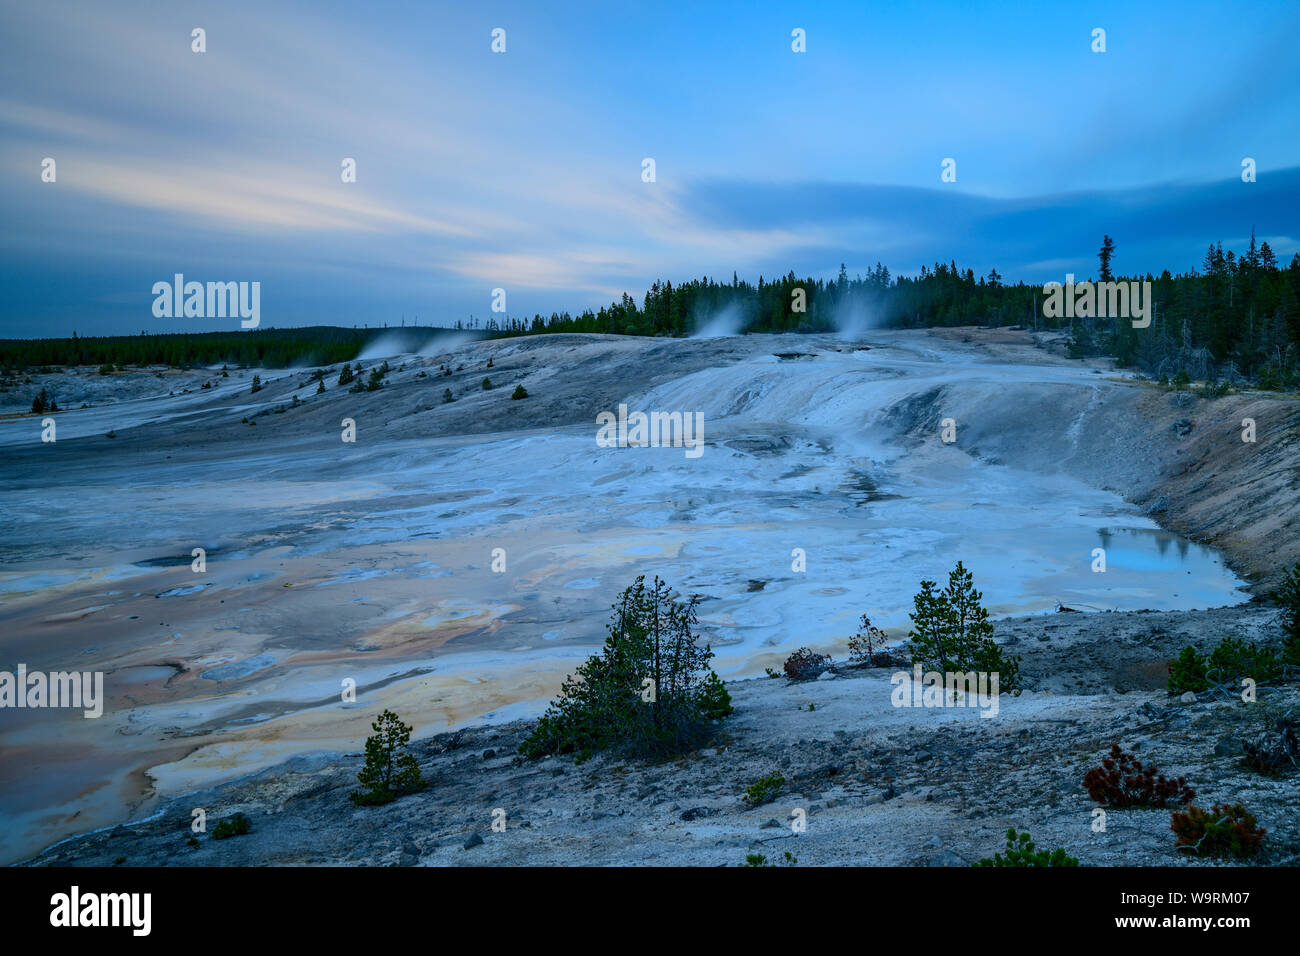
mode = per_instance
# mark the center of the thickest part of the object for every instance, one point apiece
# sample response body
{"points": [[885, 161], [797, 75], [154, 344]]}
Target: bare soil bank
{"points": [[1180, 456], [880, 785]]}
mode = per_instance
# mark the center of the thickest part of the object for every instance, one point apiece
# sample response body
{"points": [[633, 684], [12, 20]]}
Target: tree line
{"points": [[1237, 319]]}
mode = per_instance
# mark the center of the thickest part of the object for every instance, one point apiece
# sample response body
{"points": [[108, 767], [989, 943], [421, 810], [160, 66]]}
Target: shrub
{"points": [[376, 381], [447, 397], [41, 403], [257, 384], [764, 789], [519, 392], [867, 643], [236, 825], [1182, 379], [953, 633], [1187, 672], [390, 770], [1226, 830], [106, 369], [487, 384], [649, 690], [1235, 658], [1230, 661], [320, 386], [1288, 596], [1276, 750], [345, 374], [1122, 781], [1021, 851], [803, 664], [758, 859]]}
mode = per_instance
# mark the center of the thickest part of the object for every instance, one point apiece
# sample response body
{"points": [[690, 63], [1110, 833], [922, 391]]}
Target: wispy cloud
{"points": [[522, 170]]}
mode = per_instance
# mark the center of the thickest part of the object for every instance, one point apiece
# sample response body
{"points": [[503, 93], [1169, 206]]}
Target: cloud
{"points": [[1162, 226], [523, 170]]}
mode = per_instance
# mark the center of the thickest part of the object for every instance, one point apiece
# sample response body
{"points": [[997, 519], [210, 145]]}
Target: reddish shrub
{"points": [[868, 643], [1223, 830], [1277, 750], [1122, 781], [803, 664]]}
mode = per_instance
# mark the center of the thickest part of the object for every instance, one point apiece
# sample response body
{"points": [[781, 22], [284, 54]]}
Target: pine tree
{"points": [[650, 689], [952, 631], [389, 771], [1104, 256]]}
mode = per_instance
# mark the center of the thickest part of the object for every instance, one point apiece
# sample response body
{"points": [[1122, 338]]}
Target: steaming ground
{"points": [[372, 561]]}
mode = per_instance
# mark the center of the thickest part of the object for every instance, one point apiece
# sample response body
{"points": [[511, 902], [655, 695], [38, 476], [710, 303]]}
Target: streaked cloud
{"points": [[523, 170]]}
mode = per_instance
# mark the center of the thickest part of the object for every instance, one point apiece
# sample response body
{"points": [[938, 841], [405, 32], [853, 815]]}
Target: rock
{"points": [[1159, 506], [1188, 698], [934, 841], [772, 824], [1182, 428], [826, 675], [922, 756], [695, 813], [875, 798], [411, 848], [946, 858], [1227, 747], [473, 841], [489, 754], [408, 859]]}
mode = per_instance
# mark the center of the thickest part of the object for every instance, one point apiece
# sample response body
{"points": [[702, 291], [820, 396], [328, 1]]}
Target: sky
{"points": [[523, 170]]}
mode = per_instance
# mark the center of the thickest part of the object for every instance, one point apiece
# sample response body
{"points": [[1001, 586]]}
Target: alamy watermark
{"points": [[1087, 299], [75, 908], [655, 430], [949, 689], [56, 689], [215, 300]]}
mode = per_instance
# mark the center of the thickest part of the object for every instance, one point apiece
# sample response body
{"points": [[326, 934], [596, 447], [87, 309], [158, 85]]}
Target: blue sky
{"points": [[522, 170]]}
